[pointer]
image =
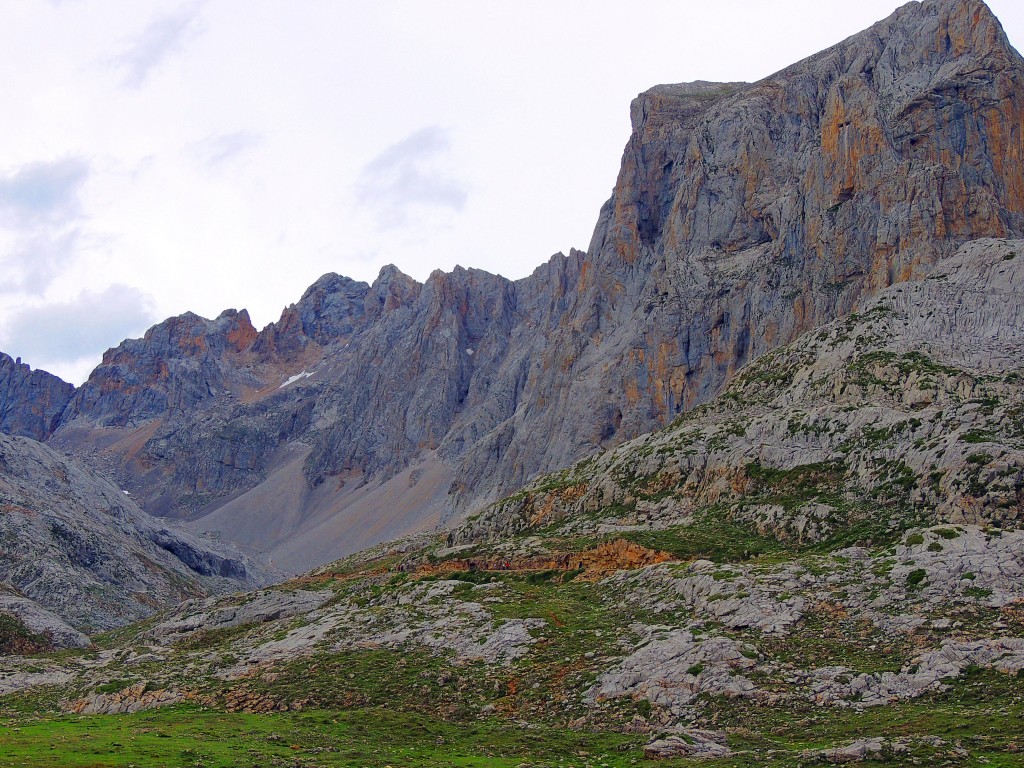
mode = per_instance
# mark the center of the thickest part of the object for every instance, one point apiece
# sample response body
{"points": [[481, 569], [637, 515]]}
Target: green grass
{"points": [[982, 712], [981, 715], [193, 736]]}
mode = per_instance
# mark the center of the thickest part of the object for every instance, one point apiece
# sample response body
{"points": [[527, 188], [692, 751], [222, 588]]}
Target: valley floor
{"points": [[780, 659], [979, 724]]}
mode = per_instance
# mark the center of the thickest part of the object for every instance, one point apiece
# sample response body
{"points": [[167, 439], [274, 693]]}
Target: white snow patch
{"points": [[296, 377]]}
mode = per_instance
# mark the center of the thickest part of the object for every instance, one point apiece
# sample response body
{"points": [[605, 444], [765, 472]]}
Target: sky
{"points": [[161, 156]]}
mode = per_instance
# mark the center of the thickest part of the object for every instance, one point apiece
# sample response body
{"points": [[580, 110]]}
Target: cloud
{"points": [[42, 191], [84, 326], [408, 175], [215, 150], [36, 259], [163, 37], [40, 212]]}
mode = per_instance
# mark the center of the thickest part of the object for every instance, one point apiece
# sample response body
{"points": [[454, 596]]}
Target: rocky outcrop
{"points": [[38, 621], [328, 314], [210, 615], [700, 745], [133, 698], [31, 402], [177, 365], [82, 549]]}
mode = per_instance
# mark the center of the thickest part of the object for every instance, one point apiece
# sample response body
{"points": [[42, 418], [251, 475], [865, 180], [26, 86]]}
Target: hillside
{"points": [[74, 546], [742, 485]]}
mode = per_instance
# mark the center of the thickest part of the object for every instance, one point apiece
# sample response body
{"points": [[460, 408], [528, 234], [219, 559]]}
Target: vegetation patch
{"points": [[18, 640]]}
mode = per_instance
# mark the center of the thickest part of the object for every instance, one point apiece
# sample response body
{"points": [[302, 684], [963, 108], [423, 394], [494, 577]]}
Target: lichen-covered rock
{"points": [[854, 752], [701, 745], [215, 614], [671, 668]]}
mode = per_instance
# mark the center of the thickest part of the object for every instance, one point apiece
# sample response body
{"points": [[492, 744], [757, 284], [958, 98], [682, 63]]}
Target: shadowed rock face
{"points": [[743, 216], [31, 402]]}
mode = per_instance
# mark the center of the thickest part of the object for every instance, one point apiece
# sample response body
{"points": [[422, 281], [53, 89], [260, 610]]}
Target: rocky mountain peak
{"points": [[31, 401], [327, 314], [177, 364], [391, 290]]}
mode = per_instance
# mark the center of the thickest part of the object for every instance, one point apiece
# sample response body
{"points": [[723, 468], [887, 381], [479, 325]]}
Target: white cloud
{"points": [[40, 213], [35, 259], [409, 175], [216, 150], [163, 37], [51, 335], [42, 191]]}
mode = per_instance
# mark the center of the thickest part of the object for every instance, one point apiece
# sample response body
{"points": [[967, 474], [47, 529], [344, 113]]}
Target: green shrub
{"points": [[915, 577]]}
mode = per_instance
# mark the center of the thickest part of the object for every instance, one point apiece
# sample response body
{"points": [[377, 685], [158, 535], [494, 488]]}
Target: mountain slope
{"points": [[80, 548], [908, 412]]}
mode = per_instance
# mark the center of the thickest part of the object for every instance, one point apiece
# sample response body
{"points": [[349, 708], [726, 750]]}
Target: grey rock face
{"points": [[78, 546], [328, 313], [923, 383], [174, 367], [31, 402]]}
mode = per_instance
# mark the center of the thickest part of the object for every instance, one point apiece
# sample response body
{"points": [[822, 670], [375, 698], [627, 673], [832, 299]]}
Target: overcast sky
{"points": [[165, 156]]}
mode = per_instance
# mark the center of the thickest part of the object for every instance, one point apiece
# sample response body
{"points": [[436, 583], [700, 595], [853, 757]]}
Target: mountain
{"points": [[742, 483], [31, 402], [75, 546], [908, 412], [743, 216]]}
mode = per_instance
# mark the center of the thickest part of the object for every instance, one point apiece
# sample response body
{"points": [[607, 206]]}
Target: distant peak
{"points": [[389, 273]]}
